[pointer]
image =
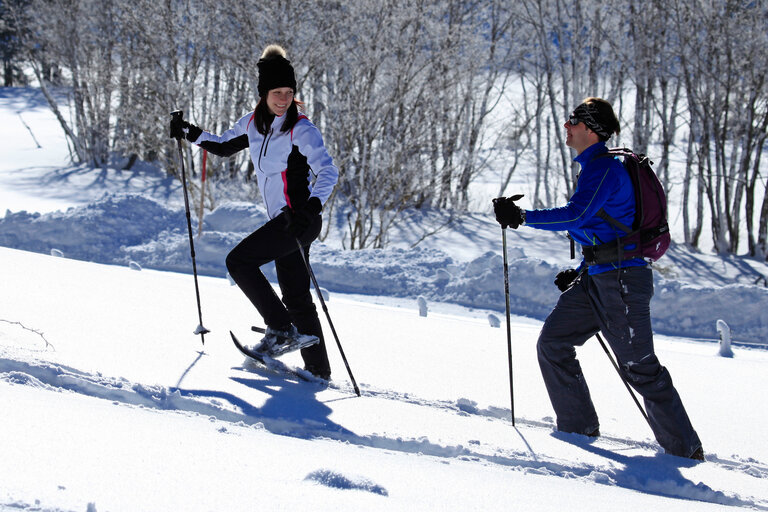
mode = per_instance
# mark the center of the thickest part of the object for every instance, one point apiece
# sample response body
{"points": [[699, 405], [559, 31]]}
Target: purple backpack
{"points": [[648, 237]]}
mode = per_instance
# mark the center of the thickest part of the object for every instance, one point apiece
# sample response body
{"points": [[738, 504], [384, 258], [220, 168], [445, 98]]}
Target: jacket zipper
{"points": [[264, 146]]}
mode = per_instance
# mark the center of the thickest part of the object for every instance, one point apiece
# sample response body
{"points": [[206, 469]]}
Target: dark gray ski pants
{"points": [[618, 304]]}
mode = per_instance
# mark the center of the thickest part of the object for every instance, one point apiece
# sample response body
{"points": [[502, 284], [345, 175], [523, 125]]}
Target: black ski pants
{"points": [[618, 304], [271, 242]]}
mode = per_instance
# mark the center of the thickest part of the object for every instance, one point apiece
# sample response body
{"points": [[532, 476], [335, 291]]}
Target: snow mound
{"points": [[132, 229], [95, 232]]}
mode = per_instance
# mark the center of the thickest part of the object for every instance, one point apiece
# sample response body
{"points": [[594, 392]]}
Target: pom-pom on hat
{"points": [[275, 70]]}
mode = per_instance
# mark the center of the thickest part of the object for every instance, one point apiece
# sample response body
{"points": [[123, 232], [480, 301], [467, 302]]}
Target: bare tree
{"points": [[725, 85], [403, 92]]}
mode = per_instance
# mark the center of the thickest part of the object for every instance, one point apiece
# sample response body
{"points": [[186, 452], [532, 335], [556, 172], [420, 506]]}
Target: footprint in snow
{"points": [[335, 480]]}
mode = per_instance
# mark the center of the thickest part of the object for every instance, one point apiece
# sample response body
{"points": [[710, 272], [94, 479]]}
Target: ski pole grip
{"points": [[177, 120]]}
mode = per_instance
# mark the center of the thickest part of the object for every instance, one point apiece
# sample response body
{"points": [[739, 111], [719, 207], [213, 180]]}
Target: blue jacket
{"points": [[602, 183]]}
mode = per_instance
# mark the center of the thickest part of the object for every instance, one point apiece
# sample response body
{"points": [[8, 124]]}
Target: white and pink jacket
{"points": [[290, 166]]}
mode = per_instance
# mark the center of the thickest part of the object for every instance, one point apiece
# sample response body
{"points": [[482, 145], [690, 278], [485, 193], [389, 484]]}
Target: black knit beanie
{"points": [[275, 71]]}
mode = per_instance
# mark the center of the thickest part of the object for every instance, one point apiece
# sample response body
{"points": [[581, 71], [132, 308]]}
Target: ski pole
{"points": [[327, 315], [509, 328], [626, 384], [202, 197], [178, 114]]}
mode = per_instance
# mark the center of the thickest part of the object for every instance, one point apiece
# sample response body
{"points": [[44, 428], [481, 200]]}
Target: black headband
{"points": [[590, 116]]}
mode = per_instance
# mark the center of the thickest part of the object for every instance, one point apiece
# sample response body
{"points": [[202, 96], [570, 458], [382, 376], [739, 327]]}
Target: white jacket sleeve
{"points": [[307, 138]]}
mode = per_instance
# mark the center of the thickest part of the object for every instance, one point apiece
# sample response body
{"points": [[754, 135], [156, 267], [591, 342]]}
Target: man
{"points": [[611, 297]]}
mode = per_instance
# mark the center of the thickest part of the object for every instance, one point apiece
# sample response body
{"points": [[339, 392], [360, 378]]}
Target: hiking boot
{"points": [[288, 339], [594, 433], [270, 339], [320, 373], [698, 454], [264, 346]]}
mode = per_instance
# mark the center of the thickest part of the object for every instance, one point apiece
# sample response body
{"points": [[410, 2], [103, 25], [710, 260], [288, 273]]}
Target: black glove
{"points": [[180, 128], [565, 278], [507, 212], [297, 221]]}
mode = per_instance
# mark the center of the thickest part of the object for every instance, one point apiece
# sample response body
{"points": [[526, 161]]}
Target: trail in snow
{"points": [[622, 462]]}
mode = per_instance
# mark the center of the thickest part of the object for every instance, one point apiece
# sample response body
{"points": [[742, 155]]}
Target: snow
{"points": [[128, 228], [111, 403]]}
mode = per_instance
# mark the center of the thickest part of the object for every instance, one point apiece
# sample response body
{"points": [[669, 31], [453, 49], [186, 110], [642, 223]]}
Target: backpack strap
{"points": [[613, 152], [610, 220]]}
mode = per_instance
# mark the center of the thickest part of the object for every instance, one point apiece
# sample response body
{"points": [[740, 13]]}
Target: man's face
{"points": [[578, 136]]}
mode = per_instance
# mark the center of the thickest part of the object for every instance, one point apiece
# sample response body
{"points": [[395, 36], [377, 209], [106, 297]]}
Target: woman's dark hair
{"points": [[263, 118]]}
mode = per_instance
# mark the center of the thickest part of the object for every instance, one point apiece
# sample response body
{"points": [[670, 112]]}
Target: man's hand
{"points": [[507, 212], [565, 278]]}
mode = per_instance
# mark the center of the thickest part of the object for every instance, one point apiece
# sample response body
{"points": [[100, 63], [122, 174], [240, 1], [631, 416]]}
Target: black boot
{"points": [[321, 373], [698, 454]]}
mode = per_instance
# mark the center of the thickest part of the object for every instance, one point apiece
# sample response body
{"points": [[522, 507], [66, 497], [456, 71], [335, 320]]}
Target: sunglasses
{"points": [[573, 120]]}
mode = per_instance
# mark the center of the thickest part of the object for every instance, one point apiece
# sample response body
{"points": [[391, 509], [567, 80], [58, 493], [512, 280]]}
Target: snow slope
{"points": [[113, 401]]}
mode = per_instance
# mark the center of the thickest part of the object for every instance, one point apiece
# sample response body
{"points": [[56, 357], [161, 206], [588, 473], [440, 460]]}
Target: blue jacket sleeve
{"points": [[595, 186]]}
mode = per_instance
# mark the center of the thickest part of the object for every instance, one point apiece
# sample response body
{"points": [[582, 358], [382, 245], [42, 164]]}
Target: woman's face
{"points": [[278, 100]]}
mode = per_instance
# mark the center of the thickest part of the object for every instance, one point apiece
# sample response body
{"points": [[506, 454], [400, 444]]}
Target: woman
{"points": [[296, 176]]}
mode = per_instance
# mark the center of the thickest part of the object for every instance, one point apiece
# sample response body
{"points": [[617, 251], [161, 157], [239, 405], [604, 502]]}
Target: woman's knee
{"points": [[233, 261]]}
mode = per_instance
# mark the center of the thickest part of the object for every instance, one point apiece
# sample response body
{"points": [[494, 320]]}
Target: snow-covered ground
{"points": [[111, 403]]}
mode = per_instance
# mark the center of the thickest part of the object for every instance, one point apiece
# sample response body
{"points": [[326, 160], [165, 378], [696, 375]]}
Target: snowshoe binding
{"points": [[277, 342]]}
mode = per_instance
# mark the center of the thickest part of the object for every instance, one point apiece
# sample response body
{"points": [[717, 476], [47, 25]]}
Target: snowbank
{"points": [[124, 228]]}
